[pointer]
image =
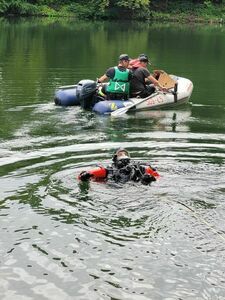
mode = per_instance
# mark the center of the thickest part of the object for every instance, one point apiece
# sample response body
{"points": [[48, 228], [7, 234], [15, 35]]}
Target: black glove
{"points": [[85, 176], [146, 179]]}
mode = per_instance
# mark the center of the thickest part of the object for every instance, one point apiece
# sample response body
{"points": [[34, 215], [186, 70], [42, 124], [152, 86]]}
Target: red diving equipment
{"points": [[152, 172], [99, 172]]}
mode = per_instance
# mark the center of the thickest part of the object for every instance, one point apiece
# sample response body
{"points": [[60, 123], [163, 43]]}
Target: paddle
{"points": [[123, 110]]}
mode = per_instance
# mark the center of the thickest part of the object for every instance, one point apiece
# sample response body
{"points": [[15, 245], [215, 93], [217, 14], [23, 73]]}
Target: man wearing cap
{"points": [[141, 76], [119, 80]]}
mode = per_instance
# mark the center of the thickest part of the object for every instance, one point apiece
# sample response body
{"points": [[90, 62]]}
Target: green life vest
{"points": [[119, 84]]}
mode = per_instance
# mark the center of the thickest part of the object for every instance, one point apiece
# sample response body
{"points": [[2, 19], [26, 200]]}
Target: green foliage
{"points": [[45, 10], [3, 6], [79, 10], [129, 9], [120, 9], [19, 7], [209, 11], [186, 10], [133, 4], [91, 9]]}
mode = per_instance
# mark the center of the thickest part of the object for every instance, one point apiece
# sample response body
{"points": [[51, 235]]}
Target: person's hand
{"points": [[85, 176], [163, 89], [146, 179]]}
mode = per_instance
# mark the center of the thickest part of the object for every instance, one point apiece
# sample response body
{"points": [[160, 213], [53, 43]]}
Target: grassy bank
{"points": [[173, 11]]}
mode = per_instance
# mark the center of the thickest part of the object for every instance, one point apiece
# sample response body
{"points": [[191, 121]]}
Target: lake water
{"points": [[64, 240]]}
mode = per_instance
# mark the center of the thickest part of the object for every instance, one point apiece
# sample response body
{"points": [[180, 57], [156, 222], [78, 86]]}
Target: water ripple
{"points": [[62, 239]]}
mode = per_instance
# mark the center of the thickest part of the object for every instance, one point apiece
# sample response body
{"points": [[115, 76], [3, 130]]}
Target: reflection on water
{"points": [[62, 239]]}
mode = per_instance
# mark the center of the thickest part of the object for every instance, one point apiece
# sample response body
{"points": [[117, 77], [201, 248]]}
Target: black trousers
{"points": [[116, 96], [146, 92]]}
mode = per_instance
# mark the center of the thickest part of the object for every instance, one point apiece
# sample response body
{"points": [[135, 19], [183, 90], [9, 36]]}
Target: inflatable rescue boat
{"points": [[86, 94]]}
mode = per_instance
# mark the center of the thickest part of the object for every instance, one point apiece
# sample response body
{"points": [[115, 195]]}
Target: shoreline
{"points": [[184, 19], [199, 16]]}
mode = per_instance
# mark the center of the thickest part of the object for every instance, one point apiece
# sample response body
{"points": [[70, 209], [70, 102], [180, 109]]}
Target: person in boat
{"points": [[142, 83], [122, 170], [119, 80]]}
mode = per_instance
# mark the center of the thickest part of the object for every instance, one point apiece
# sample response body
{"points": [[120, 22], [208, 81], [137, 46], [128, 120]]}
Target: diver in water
{"points": [[122, 170]]}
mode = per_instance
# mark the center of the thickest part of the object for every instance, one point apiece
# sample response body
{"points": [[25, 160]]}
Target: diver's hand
{"points": [[146, 179], [85, 176]]}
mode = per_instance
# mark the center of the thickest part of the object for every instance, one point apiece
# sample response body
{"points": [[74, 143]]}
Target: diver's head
{"points": [[121, 158]]}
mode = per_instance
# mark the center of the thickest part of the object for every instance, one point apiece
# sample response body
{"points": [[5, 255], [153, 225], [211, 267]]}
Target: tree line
{"points": [[115, 9]]}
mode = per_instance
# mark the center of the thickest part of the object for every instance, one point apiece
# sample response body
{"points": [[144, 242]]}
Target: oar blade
{"points": [[123, 110], [119, 112]]}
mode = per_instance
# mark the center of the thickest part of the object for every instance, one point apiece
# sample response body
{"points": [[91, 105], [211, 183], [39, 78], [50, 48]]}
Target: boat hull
{"points": [[159, 101], [67, 97]]}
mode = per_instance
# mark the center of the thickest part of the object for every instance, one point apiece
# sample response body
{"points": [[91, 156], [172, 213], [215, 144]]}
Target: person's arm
{"points": [[108, 74], [102, 78], [151, 79], [96, 173]]}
